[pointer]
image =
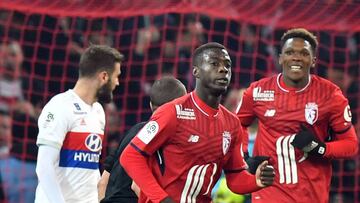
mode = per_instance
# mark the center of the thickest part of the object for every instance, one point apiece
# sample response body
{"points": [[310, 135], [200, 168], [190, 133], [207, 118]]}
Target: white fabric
{"points": [[49, 186], [76, 129]]}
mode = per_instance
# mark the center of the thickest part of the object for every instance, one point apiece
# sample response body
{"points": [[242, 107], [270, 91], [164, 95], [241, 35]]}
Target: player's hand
{"points": [[167, 200], [265, 174], [306, 141], [254, 162]]}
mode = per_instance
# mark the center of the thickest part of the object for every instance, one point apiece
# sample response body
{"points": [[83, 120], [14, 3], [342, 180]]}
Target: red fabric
{"points": [[197, 143], [245, 186], [136, 166], [345, 145], [280, 112]]}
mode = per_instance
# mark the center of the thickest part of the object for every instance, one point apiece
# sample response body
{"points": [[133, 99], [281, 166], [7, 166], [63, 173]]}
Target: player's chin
{"points": [[296, 76], [219, 90]]}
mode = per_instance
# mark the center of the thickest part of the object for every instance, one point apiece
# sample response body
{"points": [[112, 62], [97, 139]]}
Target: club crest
{"points": [[311, 113], [226, 141]]}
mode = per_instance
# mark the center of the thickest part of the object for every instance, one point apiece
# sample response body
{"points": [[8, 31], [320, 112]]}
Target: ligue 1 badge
{"points": [[311, 112], [226, 141]]}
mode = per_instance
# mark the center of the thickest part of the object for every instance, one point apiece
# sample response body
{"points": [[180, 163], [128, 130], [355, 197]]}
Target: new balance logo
{"points": [[266, 95], [185, 113], [193, 138], [270, 113]]}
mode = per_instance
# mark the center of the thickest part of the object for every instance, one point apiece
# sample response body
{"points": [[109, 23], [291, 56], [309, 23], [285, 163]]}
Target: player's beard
{"points": [[104, 94]]}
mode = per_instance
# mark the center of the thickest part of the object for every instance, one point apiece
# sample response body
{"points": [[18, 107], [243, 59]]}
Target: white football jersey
{"points": [[77, 129]]}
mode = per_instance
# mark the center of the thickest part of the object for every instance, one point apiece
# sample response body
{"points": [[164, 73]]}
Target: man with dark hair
{"points": [[114, 178], [71, 130], [198, 138], [304, 122]]}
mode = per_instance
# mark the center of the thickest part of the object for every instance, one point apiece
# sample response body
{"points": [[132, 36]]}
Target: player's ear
{"points": [[103, 77], [196, 71], [313, 62]]}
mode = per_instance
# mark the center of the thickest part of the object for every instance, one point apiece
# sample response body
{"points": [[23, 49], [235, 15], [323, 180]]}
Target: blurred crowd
{"points": [[39, 56]]}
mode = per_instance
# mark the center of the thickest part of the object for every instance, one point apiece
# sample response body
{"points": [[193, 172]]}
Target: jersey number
{"points": [[286, 160]]}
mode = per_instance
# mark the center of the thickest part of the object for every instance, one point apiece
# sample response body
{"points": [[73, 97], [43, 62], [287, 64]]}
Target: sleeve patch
{"points": [[347, 114], [148, 132]]}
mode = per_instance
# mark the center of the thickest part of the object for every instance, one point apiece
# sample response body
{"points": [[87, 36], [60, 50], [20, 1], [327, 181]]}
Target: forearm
{"points": [[346, 145], [242, 182], [46, 173], [137, 168], [103, 184]]}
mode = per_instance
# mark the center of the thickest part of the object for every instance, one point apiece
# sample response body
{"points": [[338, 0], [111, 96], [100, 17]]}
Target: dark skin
{"points": [[213, 76], [296, 59]]}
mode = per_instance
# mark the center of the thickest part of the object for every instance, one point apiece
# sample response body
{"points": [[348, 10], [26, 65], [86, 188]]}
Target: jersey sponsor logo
{"points": [[93, 142], [270, 113], [266, 95], [347, 114], [77, 110], [287, 166], [79, 159], [81, 150], [194, 138], [311, 112], [186, 113], [77, 106], [86, 156], [226, 141], [148, 132], [195, 180]]}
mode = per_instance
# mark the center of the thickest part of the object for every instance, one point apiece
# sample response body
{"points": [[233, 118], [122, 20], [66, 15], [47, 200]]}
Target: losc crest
{"points": [[226, 141], [311, 112]]}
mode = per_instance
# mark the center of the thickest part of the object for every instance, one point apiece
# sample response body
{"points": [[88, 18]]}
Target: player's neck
{"points": [[208, 98], [293, 85], [86, 90]]}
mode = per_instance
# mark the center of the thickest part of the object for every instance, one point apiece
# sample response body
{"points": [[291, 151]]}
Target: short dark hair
{"points": [[300, 33], [197, 55], [98, 58], [166, 89]]}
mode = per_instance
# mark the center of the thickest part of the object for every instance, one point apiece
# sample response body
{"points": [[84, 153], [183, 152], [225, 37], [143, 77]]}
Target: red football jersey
{"points": [[321, 106], [196, 142]]}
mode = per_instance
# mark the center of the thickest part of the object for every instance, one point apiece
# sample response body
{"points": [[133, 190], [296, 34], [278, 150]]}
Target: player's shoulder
{"points": [[170, 107], [267, 81], [60, 100], [323, 82]]}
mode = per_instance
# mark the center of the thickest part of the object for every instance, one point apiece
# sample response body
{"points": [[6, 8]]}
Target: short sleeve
{"points": [[159, 129], [53, 124], [244, 110], [340, 114]]}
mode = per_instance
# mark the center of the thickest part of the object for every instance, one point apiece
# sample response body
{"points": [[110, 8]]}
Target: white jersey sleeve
{"points": [[53, 122]]}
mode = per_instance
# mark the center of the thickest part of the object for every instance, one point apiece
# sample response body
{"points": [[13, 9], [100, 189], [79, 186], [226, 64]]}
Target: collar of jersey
{"points": [[203, 108], [284, 88]]}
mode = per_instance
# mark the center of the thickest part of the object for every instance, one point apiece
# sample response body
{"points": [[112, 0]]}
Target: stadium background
{"points": [[41, 42]]}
